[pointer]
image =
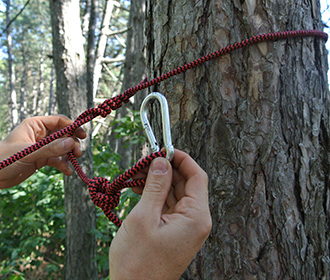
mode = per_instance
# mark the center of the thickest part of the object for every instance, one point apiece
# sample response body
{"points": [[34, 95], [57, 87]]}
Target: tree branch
{"points": [[121, 31], [112, 60], [15, 17]]}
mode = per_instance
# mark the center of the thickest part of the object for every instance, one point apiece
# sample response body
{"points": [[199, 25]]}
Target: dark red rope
{"points": [[103, 193]]}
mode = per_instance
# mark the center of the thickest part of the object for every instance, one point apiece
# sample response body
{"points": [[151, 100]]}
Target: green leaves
{"points": [[32, 216], [129, 128]]}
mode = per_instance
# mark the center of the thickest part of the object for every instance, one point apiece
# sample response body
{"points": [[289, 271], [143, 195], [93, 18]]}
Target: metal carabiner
{"points": [[165, 120]]}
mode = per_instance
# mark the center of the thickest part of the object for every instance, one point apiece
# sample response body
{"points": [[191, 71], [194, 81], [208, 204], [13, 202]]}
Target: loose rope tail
{"points": [[103, 193]]}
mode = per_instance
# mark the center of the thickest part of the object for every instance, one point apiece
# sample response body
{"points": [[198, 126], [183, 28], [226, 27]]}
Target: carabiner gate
{"points": [[165, 120]]}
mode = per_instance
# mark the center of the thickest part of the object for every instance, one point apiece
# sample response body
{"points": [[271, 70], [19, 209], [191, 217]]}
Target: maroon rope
{"points": [[103, 193]]}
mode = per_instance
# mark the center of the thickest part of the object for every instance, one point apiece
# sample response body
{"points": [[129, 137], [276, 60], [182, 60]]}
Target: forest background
{"points": [[32, 227], [32, 215]]}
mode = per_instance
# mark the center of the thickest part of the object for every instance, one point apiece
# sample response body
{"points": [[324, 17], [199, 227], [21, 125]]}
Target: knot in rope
{"points": [[104, 109], [105, 197]]}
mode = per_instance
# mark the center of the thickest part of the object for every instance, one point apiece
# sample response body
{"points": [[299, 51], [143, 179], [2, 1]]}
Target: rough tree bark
{"points": [[71, 96], [257, 121]]}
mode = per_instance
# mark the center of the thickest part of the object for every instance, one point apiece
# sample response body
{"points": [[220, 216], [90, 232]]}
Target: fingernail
{"points": [[159, 166], [67, 143]]}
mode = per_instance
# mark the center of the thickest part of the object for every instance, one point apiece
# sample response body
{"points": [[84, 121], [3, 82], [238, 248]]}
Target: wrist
{"points": [[130, 271]]}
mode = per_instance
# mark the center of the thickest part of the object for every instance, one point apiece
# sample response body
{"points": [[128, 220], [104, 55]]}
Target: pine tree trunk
{"points": [[257, 120], [134, 71], [71, 95]]}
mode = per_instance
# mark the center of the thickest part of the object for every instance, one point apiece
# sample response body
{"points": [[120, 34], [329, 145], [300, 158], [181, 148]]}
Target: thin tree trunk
{"points": [[257, 120], [134, 72], [41, 83], [22, 108], [102, 43], [12, 91], [91, 50], [34, 95], [71, 94], [86, 18], [51, 104]]}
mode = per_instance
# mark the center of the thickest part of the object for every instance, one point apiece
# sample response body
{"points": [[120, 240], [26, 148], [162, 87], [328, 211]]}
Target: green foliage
{"points": [[32, 228], [32, 218], [129, 128], [106, 164], [31, 35]]}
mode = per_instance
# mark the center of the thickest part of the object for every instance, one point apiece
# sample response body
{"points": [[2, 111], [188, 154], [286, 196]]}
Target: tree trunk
{"points": [[22, 107], [102, 43], [86, 17], [51, 104], [12, 91], [41, 83], [257, 120], [71, 94], [91, 50], [134, 71]]}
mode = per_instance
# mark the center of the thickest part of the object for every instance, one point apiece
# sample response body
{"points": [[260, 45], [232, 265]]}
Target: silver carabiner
{"points": [[165, 120]]}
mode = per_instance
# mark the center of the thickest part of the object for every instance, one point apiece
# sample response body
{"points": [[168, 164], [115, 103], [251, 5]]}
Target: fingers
{"points": [[157, 188], [195, 178], [55, 123], [55, 149], [62, 164]]}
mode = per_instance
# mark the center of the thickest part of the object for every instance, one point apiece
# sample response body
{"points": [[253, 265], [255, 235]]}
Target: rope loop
{"points": [[104, 197], [114, 103], [104, 109]]}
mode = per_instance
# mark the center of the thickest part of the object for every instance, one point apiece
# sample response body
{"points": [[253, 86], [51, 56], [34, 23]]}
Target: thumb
{"points": [[56, 148], [157, 187]]}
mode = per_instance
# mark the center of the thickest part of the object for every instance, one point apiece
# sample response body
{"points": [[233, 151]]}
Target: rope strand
{"points": [[103, 193]]}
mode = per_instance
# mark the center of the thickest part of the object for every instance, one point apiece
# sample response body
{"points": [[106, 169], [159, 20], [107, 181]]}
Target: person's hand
{"points": [[29, 132], [168, 226]]}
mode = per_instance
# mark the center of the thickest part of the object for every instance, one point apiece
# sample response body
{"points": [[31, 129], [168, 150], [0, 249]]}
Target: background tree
{"points": [[257, 121], [134, 71], [71, 96], [36, 248], [11, 70]]}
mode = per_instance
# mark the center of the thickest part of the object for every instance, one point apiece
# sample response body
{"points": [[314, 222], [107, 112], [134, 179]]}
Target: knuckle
{"points": [[154, 187]]}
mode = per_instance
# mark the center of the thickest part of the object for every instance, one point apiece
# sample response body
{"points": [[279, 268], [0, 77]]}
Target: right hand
{"points": [[163, 233]]}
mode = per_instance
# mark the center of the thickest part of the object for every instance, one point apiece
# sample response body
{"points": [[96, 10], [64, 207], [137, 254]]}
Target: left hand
{"points": [[30, 131]]}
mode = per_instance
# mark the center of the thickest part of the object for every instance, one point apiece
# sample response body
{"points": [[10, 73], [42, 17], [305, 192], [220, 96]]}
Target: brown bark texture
{"points": [[257, 120], [71, 96]]}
